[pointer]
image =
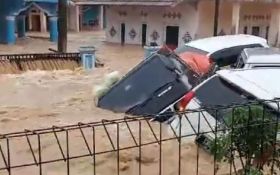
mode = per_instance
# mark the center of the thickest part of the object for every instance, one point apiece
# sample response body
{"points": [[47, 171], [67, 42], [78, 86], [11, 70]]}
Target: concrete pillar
{"points": [[43, 19], [21, 26], [101, 17], [30, 21], [77, 17], [235, 17], [53, 28], [73, 18], [274, 28], [9, 32]]}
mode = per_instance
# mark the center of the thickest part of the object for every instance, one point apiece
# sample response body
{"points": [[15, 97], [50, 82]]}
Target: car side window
{"points": [[240, 62]]}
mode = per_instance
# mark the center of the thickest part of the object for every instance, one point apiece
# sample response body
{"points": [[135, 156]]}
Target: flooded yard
{"points": [[37, 99], [40, 99]]}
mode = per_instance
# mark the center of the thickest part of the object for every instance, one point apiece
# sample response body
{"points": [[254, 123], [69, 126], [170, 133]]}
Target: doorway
{"points": [[122, 33], [266, 32], [144, 34], [26, 23], [35, 23], [172, 36], [256, 30]]}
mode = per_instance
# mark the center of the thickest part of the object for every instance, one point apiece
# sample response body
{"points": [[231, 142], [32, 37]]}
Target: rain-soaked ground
{"points": [[41, 99]]}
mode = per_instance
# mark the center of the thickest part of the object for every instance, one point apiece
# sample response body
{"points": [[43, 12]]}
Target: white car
{"points": [[227, 87], [259, 58], [223, 50]]}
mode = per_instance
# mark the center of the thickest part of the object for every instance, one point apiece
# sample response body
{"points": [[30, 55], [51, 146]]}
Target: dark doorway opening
{"points": [[36, 23], [172, 35], [256, 30], [266, 32], [144, 34], [26, 23], [80, 22], [122, 33]]}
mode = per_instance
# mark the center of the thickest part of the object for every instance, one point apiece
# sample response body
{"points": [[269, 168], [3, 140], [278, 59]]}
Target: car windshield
{"points": [[185, 48], [218, 92]]}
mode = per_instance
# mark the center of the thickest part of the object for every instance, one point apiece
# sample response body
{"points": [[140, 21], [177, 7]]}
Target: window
{"points": [[229, 56], [256, 30], [217, 92]]}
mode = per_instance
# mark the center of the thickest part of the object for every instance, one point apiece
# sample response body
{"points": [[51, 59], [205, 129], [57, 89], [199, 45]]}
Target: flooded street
{"points": [[40, 99]]}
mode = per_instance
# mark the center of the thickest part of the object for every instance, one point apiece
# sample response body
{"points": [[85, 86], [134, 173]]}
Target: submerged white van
{"points": [[225, 88], [259, 58]]}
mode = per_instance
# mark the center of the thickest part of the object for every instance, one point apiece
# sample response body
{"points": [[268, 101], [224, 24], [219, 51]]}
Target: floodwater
{"points": [[39, 99]]}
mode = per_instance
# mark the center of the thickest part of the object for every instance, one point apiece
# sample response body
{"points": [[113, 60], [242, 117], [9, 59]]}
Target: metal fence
{"points": [[17, 63], [243, 141]]}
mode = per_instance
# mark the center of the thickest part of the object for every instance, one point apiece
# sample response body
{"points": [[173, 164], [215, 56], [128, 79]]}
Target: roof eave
{"points": [[127, 3]]}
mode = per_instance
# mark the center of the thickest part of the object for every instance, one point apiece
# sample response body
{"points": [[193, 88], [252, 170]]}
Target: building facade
{"points": [[175, 22], [20, 16], [17, 16]]}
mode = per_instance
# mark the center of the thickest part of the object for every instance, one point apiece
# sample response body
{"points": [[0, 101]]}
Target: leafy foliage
{"points": [[251, 136]]}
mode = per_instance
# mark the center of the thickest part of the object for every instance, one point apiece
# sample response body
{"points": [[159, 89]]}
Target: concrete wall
{"points": [[274, 29], [197, 19], [7, 8], [155, 21], [73, 18], [206, 18], [255, 14]]}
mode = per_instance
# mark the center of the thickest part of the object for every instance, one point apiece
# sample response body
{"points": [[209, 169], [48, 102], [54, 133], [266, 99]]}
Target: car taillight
{"points": [[186, 99]]}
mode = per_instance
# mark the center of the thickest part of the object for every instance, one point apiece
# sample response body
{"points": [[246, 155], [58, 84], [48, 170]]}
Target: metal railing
{"points": [[16, 63], [136, 145]]}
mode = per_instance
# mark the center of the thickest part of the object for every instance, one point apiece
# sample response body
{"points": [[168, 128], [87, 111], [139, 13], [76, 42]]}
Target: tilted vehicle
{"points": [[164, 77], [223, 50], [259, 57], [226, 88]]}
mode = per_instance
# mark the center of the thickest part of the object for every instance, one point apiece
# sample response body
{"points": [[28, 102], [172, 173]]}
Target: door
{"points": [[172, 35], [26, 23], [144, 34], [266, 32], [256, 30], [36, 23], [122, 33]]}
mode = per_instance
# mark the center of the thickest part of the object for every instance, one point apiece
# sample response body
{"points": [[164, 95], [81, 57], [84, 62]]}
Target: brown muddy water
{"points": [[39, 99]]}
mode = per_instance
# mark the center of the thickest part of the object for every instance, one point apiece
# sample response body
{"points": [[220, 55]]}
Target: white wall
{"points": [[197, 19], [255, 9], [154, 20]]}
